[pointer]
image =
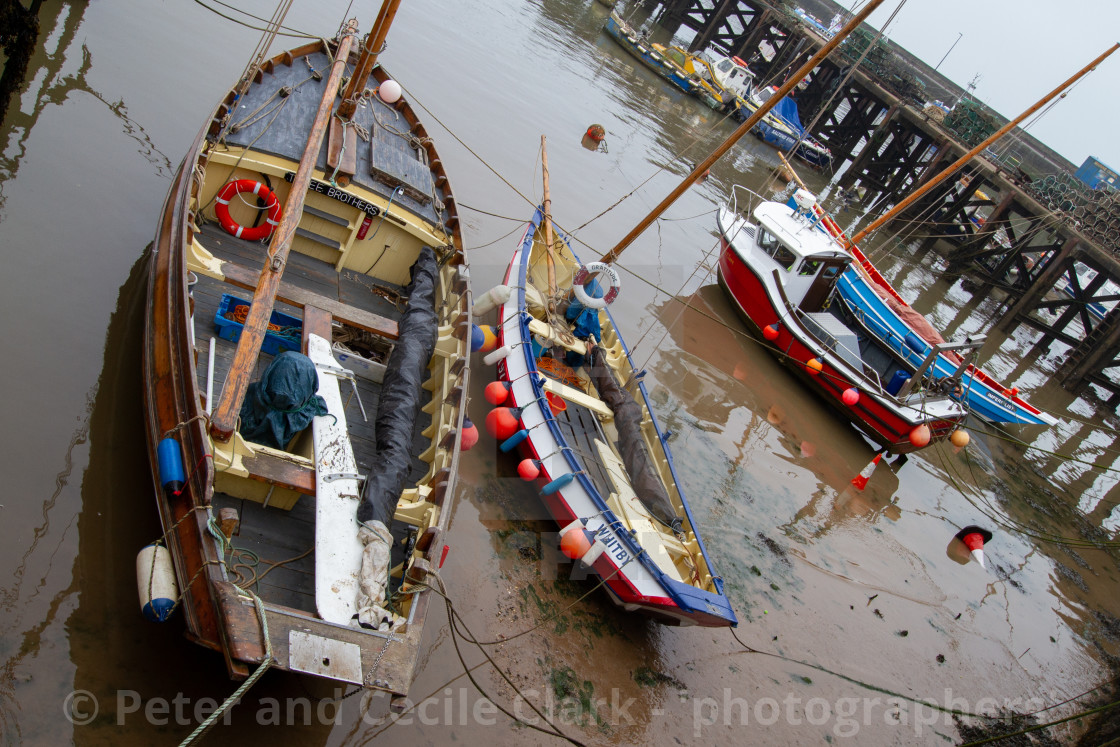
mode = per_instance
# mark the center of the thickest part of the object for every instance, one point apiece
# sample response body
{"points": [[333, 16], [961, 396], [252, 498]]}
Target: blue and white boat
{"points": [[782, 128]]}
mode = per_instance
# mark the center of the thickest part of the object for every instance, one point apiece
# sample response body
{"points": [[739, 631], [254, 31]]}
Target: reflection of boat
{"points": [[782, 271], [655, 57], [783, 128], [282, 462], [605, 472]]}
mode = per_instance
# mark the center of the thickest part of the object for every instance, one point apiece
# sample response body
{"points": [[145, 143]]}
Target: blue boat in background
{"points": [[782, 128]]}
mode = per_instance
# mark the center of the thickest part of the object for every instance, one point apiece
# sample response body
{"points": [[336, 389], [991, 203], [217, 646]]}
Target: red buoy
{"points": [[596, 132], [850, 396], [770, 332], [501, 423], [496, 392], [529, 469], [575, 544], [920, 436]]}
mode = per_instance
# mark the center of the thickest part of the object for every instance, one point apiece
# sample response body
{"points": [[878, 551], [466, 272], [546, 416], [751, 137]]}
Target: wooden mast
{"points": [[743, 129], [546, 208], [342, 142], [224, 420], [952, 168]]}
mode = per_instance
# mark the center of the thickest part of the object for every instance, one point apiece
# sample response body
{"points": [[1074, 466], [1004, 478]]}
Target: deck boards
{"points": [[270, 533]]}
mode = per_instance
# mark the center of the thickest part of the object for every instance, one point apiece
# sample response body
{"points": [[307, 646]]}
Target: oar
{"points": [[264, 298]]}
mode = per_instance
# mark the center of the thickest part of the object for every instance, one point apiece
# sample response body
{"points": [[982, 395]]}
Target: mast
{"points": [[546, 208], [743, 129], [228, 410], [955, 166], [342, 143]]}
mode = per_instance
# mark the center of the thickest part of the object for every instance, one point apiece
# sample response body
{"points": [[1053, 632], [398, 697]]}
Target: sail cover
{"points": [[787, 110], [400, 394], [628, 422]]}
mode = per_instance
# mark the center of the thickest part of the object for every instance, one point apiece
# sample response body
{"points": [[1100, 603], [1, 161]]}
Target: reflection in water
{"points": [[46, 69]]}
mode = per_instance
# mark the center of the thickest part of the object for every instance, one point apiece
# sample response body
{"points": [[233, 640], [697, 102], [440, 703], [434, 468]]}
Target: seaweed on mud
{"points": [[1007, 723], [647, 677], [773, 547]]}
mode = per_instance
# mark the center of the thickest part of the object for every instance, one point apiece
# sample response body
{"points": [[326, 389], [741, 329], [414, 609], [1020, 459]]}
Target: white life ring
{"points": [[584, 273]]}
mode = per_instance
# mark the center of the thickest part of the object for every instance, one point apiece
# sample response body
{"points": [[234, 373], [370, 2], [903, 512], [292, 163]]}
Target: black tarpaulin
{"points": [[401, 389], [628, 422], [283, 402]]}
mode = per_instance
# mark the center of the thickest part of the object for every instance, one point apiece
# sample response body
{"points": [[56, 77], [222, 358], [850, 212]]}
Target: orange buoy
{"points": [[960, 438], [770, 332], [814, 365], [575, 544], [596, 132], [920, 436]]}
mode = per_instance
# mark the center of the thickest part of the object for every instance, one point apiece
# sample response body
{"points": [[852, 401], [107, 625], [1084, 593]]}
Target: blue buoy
{"points": [[511, 443], [558, 483], [915, 343], [170, 461], [477, 338]]}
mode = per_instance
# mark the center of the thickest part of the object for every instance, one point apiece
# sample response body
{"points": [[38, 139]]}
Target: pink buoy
{"points": [[469, 436], [850, 396]]}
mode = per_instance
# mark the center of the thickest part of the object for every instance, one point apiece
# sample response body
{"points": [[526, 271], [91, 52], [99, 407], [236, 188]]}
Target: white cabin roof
{"points": [[797, 232]]}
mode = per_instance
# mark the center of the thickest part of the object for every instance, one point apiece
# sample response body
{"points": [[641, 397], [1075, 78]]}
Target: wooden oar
{"points": [[743, 129], [226, 413], [546, 206]]}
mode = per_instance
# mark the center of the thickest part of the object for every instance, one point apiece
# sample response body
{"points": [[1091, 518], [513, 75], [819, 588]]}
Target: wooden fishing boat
{"points": [[301, 532], [656, 58], [781, 272], [572, 403]]}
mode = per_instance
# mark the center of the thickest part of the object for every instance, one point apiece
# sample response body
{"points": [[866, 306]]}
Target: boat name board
{"points": [[614, 547], [325, 188]]}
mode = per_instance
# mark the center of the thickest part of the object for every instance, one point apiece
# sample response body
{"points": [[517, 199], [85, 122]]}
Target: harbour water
{"points": [[857, 615]]}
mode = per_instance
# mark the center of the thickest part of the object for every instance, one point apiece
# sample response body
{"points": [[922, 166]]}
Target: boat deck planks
{"points": [[270, 533]]}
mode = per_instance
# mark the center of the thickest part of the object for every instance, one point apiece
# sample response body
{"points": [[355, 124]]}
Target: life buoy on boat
{"points": [[584, 273], [236, 187]]}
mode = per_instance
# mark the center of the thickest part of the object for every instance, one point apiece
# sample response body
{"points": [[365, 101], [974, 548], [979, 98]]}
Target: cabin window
{"points": [[724, 66], [784, 257], [830, 272], [809, 267]]}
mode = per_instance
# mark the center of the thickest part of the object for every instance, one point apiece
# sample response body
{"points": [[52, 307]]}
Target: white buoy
{"points": [[490, 300], [155, 580]]}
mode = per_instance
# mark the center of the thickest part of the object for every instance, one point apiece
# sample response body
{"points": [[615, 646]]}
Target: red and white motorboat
{"points": [[781, 271]]}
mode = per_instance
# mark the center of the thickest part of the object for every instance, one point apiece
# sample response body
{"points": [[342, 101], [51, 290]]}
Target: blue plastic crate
{"points": [[274, 342]]}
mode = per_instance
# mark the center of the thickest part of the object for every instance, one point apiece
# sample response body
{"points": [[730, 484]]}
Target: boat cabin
{"points": [[808, 261], [731, 74]]}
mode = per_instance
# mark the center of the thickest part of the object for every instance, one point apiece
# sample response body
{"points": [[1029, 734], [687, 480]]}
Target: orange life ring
{"points": [[221, 209]]}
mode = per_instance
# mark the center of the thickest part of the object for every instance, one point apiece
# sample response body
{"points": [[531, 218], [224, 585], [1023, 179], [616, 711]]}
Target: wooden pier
{"points": [[1058, 277]]}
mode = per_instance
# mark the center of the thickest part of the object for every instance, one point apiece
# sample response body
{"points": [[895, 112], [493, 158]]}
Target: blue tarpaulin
{"points": [[787, 110]]}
